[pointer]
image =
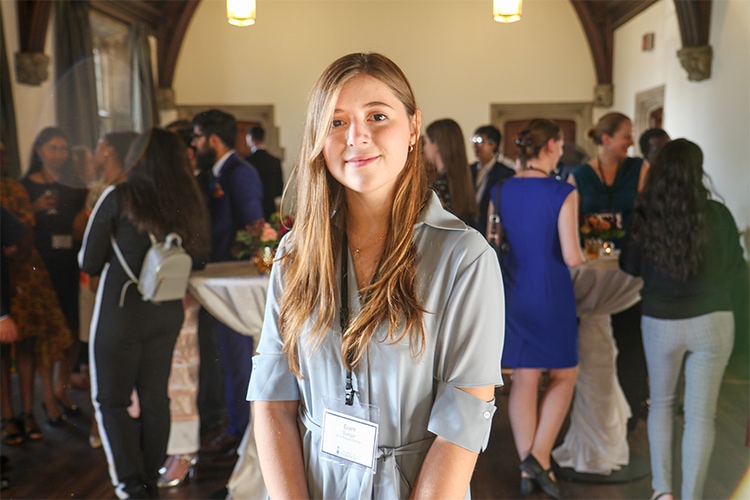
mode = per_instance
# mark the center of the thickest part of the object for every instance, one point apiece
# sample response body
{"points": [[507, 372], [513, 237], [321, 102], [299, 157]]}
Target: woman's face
{"points": [[556, 148], [369, 137], [54, 153], [101, 152], [109, 170], [431, 153], [620, 142]]}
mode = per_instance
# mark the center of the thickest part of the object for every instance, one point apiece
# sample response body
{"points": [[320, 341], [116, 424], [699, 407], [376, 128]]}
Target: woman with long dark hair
{"points": [[43, 333], [538, 221], [58, 196], [384, 321], [445, 149], [686, 248], [131, 344]]}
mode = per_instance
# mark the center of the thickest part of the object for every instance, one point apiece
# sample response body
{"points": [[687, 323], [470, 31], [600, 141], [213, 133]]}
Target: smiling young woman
{"points": [[403, 352]]}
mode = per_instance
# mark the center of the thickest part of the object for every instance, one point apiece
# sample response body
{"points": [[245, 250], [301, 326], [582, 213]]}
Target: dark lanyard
{"points": [[345, 313]]}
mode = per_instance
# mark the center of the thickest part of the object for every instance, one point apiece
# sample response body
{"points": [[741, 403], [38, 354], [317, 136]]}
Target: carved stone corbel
{"points": [[696, 61], [165, 98], [603, 95], [32, 68]]}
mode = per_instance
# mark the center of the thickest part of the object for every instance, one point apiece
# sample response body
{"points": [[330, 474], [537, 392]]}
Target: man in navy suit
{"points": [[489, 170], [268, 167], [235, 199]]}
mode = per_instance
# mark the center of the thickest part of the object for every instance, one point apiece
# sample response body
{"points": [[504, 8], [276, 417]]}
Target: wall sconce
{"points": [[241, 12], [506, 11]]}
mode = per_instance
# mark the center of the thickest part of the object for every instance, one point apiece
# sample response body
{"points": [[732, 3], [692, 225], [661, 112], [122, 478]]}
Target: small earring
{"points": [[411, 147]]}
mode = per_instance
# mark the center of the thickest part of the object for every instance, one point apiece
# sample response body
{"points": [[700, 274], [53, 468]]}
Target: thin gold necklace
{"points": [[357, 251]]}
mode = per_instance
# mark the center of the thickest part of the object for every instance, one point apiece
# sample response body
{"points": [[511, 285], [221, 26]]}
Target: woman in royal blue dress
{"points": [[538, 221]]}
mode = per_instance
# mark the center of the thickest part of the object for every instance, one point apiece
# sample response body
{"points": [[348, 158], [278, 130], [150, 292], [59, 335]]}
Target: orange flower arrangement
{"points": [[603, 226]]}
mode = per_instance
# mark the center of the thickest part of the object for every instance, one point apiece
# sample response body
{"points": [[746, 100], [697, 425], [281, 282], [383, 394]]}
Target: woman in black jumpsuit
{"points": [[131, 346]]}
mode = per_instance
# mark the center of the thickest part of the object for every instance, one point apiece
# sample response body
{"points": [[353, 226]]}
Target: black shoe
{"points": [[69, 411], [219, 494], [54, 421], [528, 486], [533, 468], [222, 443]]}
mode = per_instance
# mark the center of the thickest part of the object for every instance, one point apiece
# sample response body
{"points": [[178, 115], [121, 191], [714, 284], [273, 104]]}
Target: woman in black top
{"points": [[686, 248], [131, 346], [58, 197]]}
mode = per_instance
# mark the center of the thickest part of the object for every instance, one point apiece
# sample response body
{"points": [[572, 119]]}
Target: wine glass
{"points": [[54, 193]]}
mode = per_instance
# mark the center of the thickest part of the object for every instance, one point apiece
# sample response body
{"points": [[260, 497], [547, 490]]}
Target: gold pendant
{"points": [[356, 254]]}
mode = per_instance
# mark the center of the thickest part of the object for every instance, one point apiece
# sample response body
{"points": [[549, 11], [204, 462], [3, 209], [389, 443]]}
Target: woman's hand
{"points": [[8, 332], [47, 201], [280, 449]]}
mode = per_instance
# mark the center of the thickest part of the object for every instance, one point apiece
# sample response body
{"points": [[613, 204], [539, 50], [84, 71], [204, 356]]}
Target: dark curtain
{"points": [[142, 89], [8, 132], [75, 94]]}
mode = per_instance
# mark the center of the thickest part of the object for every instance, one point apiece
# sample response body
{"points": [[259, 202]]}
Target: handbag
{"points": [[498, 241], [164, 273]]}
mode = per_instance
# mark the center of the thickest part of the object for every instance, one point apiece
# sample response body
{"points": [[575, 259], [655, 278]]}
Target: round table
{"points": [[596, 441], [235, 294]]}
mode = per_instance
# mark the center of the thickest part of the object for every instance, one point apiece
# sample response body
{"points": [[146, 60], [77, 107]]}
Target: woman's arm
{"points": [[447, 469], [567, 228], [280, 448], [79, 224]]}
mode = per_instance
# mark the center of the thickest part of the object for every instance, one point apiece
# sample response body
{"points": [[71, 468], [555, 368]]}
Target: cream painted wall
{"points": [[714, 113], [457, 58], [35, 105]]}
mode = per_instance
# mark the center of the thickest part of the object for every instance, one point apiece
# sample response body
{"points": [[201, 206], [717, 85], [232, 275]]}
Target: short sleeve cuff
{"points": [[271, 379], [461, 418]]}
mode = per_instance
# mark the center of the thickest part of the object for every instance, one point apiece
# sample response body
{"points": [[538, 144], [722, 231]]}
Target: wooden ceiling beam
{"points": [[694, 18], [177, 16], [33, 21]]}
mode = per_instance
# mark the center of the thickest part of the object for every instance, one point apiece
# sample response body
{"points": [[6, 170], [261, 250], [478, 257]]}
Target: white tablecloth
{"points": [[596, 441], [235, 294]]}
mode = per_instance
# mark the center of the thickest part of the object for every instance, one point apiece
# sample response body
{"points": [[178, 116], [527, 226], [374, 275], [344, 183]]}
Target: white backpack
{"points": [[165, 271]]}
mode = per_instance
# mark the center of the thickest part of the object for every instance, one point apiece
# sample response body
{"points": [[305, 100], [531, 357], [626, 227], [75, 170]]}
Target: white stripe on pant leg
{"points": [[95, 386]]}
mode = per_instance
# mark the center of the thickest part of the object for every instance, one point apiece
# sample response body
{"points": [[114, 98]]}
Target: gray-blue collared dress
{"points": [[460, 285]]}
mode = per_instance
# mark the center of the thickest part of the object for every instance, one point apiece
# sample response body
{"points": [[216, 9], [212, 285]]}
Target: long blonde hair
{"points": [[315, 242]]}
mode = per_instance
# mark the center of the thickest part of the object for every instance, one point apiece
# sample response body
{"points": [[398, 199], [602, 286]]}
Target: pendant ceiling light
{"points": [[241, 12], [506, 11]]}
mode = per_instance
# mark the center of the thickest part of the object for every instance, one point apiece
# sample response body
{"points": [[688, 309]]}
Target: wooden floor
{"points": [[63, 466]]}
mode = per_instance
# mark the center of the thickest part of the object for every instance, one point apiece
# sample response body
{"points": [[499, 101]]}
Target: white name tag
{"points": [[62, 241], [349, 438]]}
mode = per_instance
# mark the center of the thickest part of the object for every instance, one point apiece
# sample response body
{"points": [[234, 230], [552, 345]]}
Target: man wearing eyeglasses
{"points": [[235, 200], [490, 168]]}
